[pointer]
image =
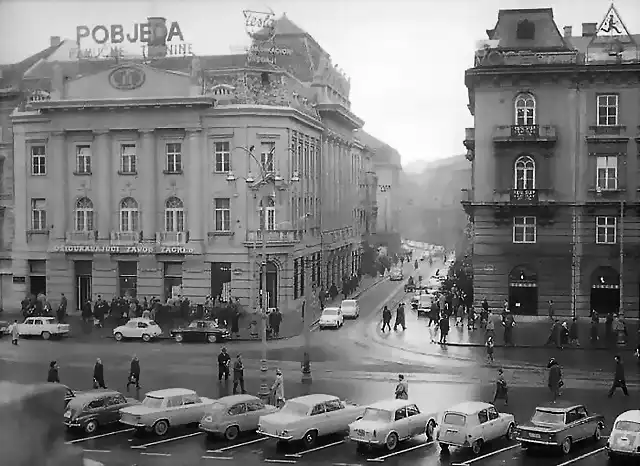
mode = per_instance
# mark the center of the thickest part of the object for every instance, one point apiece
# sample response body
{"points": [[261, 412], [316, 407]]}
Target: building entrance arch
{"points": [[523, 290], [605, 290]]}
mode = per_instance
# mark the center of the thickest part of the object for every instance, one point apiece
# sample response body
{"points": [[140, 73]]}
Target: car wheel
{"points": [[91, 426], [118, 336], [430, 430], [212, 338], [231, 433], [46, 335], [597, 435], [392, 442], [161, 428], [179, 337], [310, 438], [510, 432], [566, 446], [146, 338], [476, 447]]}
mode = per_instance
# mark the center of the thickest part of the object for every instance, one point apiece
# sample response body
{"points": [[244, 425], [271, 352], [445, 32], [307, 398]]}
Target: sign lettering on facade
{"points": [[117, 249], [261, 28]]}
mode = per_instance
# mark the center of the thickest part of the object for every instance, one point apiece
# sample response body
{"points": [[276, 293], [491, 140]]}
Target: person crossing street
{"points": [[98, 375], [402, 388], [502, 390], [555, 382], [134, 373], [224, 360], [619, 378], [238, 375]]}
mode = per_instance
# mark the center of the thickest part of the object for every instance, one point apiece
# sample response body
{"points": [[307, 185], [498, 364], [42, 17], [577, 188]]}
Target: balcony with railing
{"points": [[84, 237], [172, 238], [273, 237], [491, 57], [125, 237], [508, 134]]}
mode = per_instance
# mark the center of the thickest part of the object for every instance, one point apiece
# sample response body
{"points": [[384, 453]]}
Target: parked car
{"points": [[387, 423], [396, 275], [424, 303], [201, 331], [624, 439], [350, 308], [472, 424], [560, 425], [410, 286], [138, 328], [69, 394], [95, 408], [231, 415], [308, 417], [166, 408], [4, 328], [45, 327], [331, 318], [415, 300]]}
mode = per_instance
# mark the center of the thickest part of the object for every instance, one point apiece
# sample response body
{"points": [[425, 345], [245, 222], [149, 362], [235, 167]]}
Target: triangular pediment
{"points": [[612, 40]]}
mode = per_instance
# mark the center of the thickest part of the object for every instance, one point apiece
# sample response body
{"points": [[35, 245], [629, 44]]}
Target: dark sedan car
{"points": [[95, 408], [201, 331]]}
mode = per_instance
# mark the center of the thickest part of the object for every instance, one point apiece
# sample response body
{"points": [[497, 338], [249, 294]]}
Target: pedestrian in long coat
{"points": [[400, 318], [444, 329], [277, 389], [593, 331], [574, 333], [53, 375], [619, 379], [555, 379], [134, 373], [98, 375], [508, 322], [238, 375], [15, 333], [386, 319], [402, 389], [502, 391]]}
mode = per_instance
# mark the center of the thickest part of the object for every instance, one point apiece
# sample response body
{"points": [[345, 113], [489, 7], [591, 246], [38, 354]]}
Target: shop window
{"points": [[172, 280], [37, 277], [221, 281], [128, 278]]}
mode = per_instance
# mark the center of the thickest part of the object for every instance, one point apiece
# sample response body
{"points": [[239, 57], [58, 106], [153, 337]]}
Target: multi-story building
{"points": [[134, 178], [555, 195]]}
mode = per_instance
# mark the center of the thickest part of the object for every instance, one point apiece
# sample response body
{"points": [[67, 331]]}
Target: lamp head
{"points": [[250, 179], [278, 178], [231, 177], [295, 177]]}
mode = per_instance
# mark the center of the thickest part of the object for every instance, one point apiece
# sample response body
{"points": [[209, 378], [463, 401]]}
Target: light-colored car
{"points": [[231, 415], [624, 440], [472, 424], [166, 408], [350, 308], [387, 423], [45, 327], [138, 328], [308, 417], [396, 275], [331, 318]]}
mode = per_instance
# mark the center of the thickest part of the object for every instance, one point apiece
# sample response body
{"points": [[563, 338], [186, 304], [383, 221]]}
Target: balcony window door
{"points": [[84, 215], [129, 215], [267, 150], [525, 173], [174, 215], [607, 173], [525, 110], [270, 211]]}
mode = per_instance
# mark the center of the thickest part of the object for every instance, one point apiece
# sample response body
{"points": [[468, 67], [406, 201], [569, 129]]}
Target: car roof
{"points": [[631, 415], [83, 397], [559, 406], [469, 407], [312, 400], [349, 301], [140, 319], [41, 317], [170, 392], [333, 308], [233, 399], [391, 404]]}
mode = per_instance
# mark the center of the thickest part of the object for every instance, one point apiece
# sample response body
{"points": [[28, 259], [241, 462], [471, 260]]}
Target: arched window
{"points": [[129, 215], [270, 211], [174, 215], [84, 214], [525, 110], [525, 173]]}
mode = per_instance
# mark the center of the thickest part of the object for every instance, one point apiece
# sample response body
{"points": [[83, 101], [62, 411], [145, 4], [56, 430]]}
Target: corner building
{"points": [[554, 198]]}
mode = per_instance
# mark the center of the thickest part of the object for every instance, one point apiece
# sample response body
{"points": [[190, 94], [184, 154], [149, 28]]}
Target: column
{"points": [[325, 191], [148, 178], [195, 197], [57, 205], [102, 194]]}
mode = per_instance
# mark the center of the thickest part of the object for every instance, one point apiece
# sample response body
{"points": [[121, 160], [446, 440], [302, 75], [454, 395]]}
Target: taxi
{"points": [[624, 440]]}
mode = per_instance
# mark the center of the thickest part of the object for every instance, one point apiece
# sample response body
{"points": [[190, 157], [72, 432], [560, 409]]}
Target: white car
{"points": [[45, 327], [138, 327], [624, 440], [166, 408], [387, 423], [472, 424], [331, 318], [350, 308]]}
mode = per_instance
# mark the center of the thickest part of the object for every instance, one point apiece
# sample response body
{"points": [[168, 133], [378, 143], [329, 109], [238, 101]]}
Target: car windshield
{"points": [[330, 312], [151, 322], [152, 402], [297, 409], [627, 426], [547, 417], [348, 305], [454, 419], [193, 325], [373, 414]]}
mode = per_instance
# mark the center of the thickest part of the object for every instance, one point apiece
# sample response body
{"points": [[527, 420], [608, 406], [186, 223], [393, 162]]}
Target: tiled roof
{"points": [[383, 152], [12, 74], [284, 26]]}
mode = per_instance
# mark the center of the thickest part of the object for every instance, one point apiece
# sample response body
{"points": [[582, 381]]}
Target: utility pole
{"points": [[264, 386], [576, 244], [306, 318], [622, 207]]}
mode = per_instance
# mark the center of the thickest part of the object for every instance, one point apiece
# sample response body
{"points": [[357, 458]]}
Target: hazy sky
{"points": [[406, 58]]}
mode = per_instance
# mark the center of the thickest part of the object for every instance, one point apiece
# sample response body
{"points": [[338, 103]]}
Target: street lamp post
{"points": [[621, 279], [308, 297]]}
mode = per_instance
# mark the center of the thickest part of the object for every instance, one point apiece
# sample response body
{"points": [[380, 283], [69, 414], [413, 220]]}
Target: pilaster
{"points": [[21, 207], [57, 166], [195, 165], [148, 177], [150, 277], [104, 188]]}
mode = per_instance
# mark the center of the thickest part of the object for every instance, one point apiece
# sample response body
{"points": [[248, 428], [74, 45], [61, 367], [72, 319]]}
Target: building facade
{"points": [[554, 198]]}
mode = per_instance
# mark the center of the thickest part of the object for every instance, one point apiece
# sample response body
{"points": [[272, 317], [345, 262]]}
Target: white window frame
{"points": [[606, 230], [38, 214], [270, 209], [129, 216], [222, 214], [174, 215], [173, 152], [523, 225], [83, 159], [527, 103], [267, 156], [84, 215], [524, 165], [38, 160], [607, 166], [607, 102], [221, 156], [128, 160]]}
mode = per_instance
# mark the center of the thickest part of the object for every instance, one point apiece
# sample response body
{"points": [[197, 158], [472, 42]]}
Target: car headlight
{"points": [[207, 419]]}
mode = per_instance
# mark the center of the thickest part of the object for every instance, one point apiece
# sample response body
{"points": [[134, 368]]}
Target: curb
{"points": [[574, 348]]}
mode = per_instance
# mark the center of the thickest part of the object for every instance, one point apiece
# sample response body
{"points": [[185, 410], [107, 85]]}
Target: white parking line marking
{"points": [[217, 457], [581, 457], [96, 451], [280, 461], [346, 464], [473, 460], [167, 440], [155, 454], [299, 455], [220, 450], [70, 442], [380, 459]]}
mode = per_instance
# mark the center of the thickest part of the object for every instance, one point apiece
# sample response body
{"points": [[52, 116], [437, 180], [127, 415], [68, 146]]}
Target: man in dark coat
{"points": [[238, 375], [62, 309], [275, 319], [444, 328], [98, 374], [53, 375], [400, 318], [502, 391], [555, 378], [509, 322], [223, 364], [434, 313], [619, 379], [386, 318], [554, 334], [134, 373]]}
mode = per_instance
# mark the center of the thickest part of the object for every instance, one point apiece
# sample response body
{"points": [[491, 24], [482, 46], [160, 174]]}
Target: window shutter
{"points": [[622, 172], [591, 172]]}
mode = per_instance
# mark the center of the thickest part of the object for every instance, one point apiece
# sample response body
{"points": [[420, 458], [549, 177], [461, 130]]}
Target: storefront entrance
{"points": [[37, 277], [128, 279], [221, 281], [523, 291], [83, 273], [605, 290], [272, 285]]}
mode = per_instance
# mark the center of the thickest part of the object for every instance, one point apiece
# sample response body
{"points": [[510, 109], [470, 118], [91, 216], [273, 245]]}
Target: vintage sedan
{"points": [[95, 408], [201, 331], [472, 424], [387, 423], [138, 328], [331, 318], [45, 327], [231, 415], [560, 425], [350, 308], [624, 440], [166, 408], [308, 417]]}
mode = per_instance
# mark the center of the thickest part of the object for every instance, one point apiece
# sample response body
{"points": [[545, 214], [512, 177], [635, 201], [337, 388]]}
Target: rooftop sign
{"points": [[261, 28]]}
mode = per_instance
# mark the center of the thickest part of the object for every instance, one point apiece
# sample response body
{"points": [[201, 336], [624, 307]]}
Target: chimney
{"points": [[568, 31], [589, 29], [54, 41]]}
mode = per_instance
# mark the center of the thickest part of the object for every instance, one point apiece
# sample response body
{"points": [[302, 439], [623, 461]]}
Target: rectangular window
{"points": [[296, 267], [222, 214], [294, 159], [222, 156], [271, 218], [306, 158], [606, 230], [128, 158], [38, 160], [524, 229], [221, 281], [128, 278], [607, 110], [174, 157], [267, 150], [172, 280], [83, 159], [38, 214], [607, 172]]}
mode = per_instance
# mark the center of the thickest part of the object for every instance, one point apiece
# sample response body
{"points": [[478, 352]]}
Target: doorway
{"points": [[272, 285], [83, 273], [523, 291], [605, 290], [37, 277]]}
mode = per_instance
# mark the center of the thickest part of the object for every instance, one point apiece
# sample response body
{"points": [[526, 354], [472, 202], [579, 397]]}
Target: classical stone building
{"points": [[554, 195]]}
